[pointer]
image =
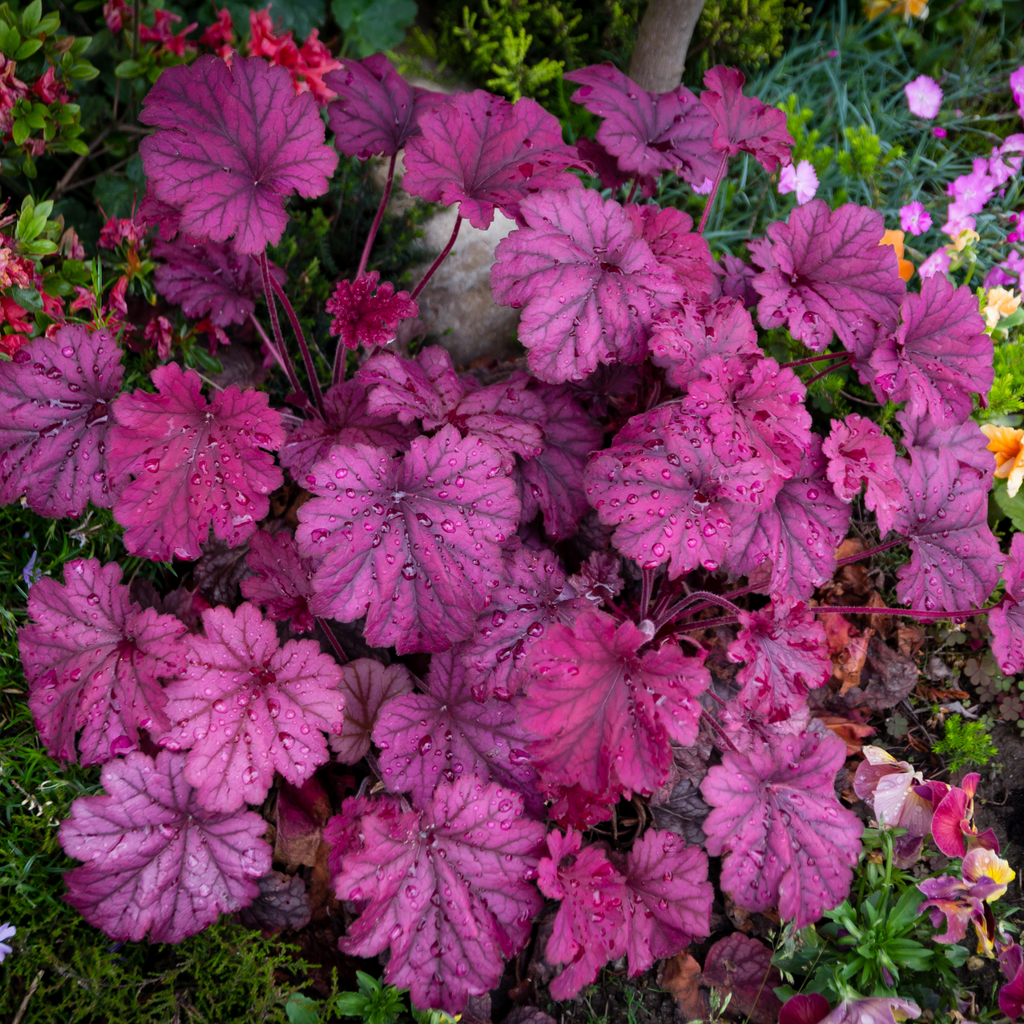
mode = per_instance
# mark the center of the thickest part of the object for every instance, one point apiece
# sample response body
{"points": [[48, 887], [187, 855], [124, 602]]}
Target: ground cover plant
{"points": [[532, 658]]}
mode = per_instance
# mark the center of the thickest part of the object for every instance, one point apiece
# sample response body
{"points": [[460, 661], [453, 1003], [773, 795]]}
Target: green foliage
{"points": [[744, 32], [374, 1003], [966, 744], [863, 153], [805, 143], [1012, 508], [874, 943], [522, 47], [372, 25]]}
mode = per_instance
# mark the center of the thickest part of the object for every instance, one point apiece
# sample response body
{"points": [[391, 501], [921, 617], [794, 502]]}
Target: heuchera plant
{"points": [[604, 567]]}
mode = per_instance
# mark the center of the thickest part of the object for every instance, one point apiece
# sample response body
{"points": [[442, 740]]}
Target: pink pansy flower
{"points": [[801, 179], [937, 263], [953, 828], [924, 96], [889, 785], [915, 218]]}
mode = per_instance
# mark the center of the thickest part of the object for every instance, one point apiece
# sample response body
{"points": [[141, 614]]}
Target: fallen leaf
{"points": [[851, 733], [682, 981], [887, 677], [742, 967], [300, 817], [848, 648], [909, 638]]}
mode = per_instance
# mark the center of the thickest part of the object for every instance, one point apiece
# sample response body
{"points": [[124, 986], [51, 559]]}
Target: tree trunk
{"points": [[662, 42]]}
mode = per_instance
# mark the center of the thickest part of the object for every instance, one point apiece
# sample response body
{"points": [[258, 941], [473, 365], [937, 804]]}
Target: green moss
{"points": [[966, 744]]}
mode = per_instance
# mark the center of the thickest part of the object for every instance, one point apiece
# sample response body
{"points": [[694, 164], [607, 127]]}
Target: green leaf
{"points": [[77, 146], [373, 25], [49, 24], [31, 15], [957, 955], [41, 247], [10, 40], [351, 1004], [1012, 508], [83, 71], [27, 48], [29, 298], [301, 1009], [129, 69], [904, 914], [21, 131], [116, 195]]}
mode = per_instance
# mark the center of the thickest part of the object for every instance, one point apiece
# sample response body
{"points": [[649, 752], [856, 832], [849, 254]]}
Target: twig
{"points": [[863, 401], [74, 168], [28, 995], [376, 220], [440, 259], [815, 359], [824, 373], [910, 613], [868, 552]]}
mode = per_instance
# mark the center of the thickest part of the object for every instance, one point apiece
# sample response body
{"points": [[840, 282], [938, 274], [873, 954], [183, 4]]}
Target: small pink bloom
{"points": [[958, 219], [704, 187], [924, 96], [915, 218], [972, 191], [801, 179], [1017, 88], [937, 263], [939, 133]]}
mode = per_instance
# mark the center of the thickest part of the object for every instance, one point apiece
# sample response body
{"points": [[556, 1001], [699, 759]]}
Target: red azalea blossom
{"points": [[306, 64]]}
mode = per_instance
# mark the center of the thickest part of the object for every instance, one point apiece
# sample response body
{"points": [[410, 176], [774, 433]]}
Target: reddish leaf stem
{"points": [[816, 359], [282, 361], [910, 613], [721, 732], [440, 259], [335, 643], [275, 323], [711, 196], [724, 620], [632, 191], [376, 220], [868, 552], [706, 596], [307, 356], [646, 589], [845, 361]]}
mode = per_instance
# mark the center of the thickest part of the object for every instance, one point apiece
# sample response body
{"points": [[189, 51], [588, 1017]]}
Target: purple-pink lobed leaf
{"points": [[376, 111], [54, 398], [246, 707], [966, 440], [209, 279], [534, 595], [349, 421], [95, 661], [668, 902], [827, 273], [412, 544], [798, 534], [786, 655], [446, 732], [589, 286], [552, 482], [195, 464], [647, 132], [283, 580], [754, 410], [663, 487], [233, 142], [484, 153], [157, 862], [785, 838], [938, 356], [448, 889], [676, 245], [683, 336], [602, 715], [954, 557], [590, 928], [366, 685], [744, 124], [860, 454]]}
